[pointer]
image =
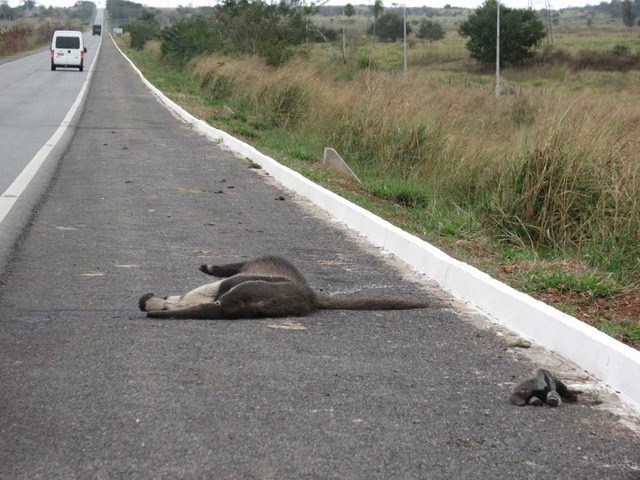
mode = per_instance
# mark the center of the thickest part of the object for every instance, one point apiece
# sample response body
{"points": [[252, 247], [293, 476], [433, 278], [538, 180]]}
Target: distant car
{"points": [[97, 30], [67, 50]]}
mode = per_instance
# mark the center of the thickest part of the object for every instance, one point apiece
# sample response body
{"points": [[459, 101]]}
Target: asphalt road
{"points": [[91, 389], [33, 102]]}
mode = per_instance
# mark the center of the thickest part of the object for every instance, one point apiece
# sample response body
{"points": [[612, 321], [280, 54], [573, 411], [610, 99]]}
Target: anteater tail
{"points": [[368, 303]]}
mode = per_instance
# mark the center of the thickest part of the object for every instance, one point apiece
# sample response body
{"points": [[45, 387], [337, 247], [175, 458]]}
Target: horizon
{"points": [[466, 4]]}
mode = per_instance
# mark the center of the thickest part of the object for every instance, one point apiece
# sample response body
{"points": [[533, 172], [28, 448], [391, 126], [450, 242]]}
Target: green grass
{"points": [[600, 39], [586, 283], [235, 125], [627, 332], [403, 193]]}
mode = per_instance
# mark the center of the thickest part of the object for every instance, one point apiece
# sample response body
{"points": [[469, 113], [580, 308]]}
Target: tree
{"points": [[7, 13], [390, 27], [377, 9], [349, 10], [269, 30], [430, 30], [143, 29], [188, 38], [628, 16], [521, 31]]}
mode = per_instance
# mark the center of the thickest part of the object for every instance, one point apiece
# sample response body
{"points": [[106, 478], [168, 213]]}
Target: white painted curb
{"points": [[608, 360]]}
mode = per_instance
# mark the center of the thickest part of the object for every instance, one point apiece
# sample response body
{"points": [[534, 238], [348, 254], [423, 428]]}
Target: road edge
{"points": [[610, 361]]}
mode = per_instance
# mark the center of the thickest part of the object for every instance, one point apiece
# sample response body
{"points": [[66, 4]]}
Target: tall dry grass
{"points": [[550, 170], [19, 36], [577, 183]]}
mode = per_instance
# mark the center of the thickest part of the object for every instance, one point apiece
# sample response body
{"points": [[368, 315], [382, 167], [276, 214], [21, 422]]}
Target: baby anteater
{"points": [[264, 287], [543, 388]]}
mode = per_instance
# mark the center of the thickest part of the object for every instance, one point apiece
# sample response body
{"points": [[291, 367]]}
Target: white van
{"points": [[67, 49]]}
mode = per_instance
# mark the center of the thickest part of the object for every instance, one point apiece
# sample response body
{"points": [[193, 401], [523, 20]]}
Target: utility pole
{"points": [[344, 40], [404, 22], [547, 7], [498, 51], [404, 44]]}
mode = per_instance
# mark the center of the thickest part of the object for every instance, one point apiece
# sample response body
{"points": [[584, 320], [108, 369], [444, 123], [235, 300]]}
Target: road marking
{"points": [[19, 185], [287, 325]]}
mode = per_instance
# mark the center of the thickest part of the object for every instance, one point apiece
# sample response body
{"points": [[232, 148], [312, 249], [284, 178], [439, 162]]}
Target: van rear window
{"points": [[67, 42]]}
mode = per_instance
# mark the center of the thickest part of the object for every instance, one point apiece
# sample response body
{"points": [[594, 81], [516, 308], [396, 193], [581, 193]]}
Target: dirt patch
{"points": [[617, 314]]}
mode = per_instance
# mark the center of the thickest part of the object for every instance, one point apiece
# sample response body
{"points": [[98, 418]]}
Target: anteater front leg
{"points": [[222, 271]]}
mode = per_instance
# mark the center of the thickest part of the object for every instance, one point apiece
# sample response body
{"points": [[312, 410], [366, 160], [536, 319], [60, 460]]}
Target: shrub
{"points": [[143, 29], [549, 198], [365, 62], [613, 60], [574, 191], [430, 30], [218, 87], [14, 37], [389, 27], [617, 59], [325, 34], [189, 38], [523, 112], [259, 28], [283, 103]]}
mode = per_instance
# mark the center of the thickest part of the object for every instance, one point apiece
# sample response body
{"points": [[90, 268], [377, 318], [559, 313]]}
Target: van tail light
{"points": [[81, 56], [52, 54]]}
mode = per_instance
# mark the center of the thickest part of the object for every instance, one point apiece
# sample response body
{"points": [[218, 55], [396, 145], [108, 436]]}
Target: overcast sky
{"points": [[538, 4]]}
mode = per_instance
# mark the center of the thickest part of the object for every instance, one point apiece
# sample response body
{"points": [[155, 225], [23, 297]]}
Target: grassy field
{"points": [[540, 188]]}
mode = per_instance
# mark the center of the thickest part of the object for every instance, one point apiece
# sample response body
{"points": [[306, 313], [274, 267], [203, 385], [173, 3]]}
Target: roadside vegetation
{"points": [[30, 26]]}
